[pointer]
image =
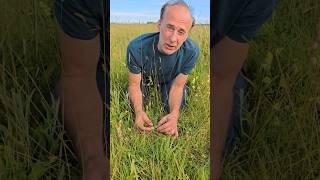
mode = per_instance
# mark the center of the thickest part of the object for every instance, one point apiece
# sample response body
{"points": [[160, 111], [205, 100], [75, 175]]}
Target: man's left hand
{"points": [[169, 125]]}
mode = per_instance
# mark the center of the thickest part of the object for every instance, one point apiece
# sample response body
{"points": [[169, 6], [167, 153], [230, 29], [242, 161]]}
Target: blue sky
{"points": [[129, 11]]}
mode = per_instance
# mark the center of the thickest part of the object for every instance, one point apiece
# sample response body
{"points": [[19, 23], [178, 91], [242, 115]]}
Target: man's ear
{"points": [[158, 25]]}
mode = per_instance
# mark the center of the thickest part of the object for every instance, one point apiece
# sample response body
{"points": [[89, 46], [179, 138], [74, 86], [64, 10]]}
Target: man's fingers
{"points": [[172, 132], [162, 121], [176, 134], [146, 129], [164, 127], [141, 127], [148, 122], [169, 132], [166, 130], [136, 125]]}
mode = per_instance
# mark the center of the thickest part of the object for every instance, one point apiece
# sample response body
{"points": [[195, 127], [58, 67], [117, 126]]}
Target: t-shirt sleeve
{"points": [[191, 61], [133, 63], [77, 18], [251, 19]]}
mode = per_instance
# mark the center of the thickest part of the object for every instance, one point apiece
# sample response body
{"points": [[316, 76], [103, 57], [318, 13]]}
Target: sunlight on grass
{"points": [[155, 156]]}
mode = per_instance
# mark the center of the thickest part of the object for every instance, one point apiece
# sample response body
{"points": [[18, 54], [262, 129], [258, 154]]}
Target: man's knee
{"points": [[78, 72]]}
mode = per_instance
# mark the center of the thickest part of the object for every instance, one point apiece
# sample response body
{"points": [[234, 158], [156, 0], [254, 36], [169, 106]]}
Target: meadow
{"points": [[33, 143], [280, 135], [156, 156]]}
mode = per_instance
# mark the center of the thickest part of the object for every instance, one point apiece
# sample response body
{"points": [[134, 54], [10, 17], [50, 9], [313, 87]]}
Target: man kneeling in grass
{"points": [[168, 56]]}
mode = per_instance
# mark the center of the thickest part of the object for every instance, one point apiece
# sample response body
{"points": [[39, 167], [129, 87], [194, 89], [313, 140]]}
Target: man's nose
{"points": [[173, 37]]}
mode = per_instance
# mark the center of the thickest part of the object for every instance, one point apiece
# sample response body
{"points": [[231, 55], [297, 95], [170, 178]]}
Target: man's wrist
{"points": [[175, 113], [138, 111]]}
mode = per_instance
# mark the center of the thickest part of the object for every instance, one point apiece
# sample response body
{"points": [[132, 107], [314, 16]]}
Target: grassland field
{"points": [[280, 135], [156, 156]]}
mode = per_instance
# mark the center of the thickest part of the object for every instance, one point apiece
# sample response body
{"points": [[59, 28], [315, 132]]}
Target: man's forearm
{"points": [[175, 98], [135, 96]]}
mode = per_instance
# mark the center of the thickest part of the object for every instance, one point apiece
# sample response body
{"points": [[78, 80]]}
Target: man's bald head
{"points": [[176, 3]]}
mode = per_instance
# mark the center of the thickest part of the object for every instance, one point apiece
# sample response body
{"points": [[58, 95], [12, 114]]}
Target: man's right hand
{"points": [[142, 122]]}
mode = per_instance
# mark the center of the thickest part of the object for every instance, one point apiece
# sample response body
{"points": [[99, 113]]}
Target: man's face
{"points": [[174, 28]]}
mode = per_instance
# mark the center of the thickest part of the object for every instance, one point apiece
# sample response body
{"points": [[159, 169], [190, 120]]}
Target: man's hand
{"points": [[169, 125], [142, 122]]}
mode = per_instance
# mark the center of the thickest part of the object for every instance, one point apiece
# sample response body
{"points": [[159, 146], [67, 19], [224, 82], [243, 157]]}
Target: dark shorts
{"points": [[82, 19], [240, 20]]}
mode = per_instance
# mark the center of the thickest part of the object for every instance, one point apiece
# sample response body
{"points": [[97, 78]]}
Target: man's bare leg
{"points": [[228, 58], [81, 104]]}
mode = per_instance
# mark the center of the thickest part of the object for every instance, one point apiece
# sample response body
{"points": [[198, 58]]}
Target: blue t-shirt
{"points": [[240, 20], [144, 57]]}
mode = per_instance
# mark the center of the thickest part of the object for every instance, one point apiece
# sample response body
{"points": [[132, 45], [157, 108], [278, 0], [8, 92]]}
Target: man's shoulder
{"points": [[143, 40], [190, 46]]}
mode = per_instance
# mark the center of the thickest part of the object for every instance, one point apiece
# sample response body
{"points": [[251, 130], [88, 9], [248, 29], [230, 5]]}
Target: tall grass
{"points": [[33, 144], [280, 132], [280, 136], [155, 156]]}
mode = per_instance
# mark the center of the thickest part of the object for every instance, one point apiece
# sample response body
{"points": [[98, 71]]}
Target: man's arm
{"points": [[176, 93], [135, 95], [228, 58], [168, 124]]}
